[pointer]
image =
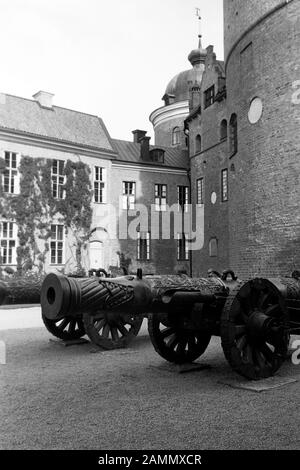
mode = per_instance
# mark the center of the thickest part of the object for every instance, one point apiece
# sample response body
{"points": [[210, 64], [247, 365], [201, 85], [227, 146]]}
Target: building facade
{"points": [[69, 192], [226, 143], [243, 128]]}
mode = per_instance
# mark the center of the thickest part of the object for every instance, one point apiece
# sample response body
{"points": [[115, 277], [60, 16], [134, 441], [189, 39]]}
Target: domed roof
{"points": [[178, 87]]}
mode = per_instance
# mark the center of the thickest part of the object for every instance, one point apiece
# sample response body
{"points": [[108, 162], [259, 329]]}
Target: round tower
{"points": [[262, 61], [168, 121]]}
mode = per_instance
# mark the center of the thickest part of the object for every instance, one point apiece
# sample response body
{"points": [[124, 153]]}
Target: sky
{"points": [[109, 58]]}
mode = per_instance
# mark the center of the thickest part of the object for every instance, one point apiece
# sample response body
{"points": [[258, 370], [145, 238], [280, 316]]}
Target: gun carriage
{"points": [[254, 318]]}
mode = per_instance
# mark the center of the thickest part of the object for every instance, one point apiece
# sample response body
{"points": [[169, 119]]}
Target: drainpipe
{"points": [[186, 131]]}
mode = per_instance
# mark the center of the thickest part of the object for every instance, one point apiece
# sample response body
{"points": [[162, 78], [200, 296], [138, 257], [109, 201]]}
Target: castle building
{"points": [[226, 141], [68, 192], [243, 140]]}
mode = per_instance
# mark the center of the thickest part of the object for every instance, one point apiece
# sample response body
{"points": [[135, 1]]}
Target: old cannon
{"points": [[254, 318], [20, 291]]}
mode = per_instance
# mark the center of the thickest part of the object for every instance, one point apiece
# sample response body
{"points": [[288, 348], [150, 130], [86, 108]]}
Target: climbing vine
{"points": [[34, 209]]}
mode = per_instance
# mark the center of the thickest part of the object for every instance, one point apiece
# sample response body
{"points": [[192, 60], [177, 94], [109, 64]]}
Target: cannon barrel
{"points": [[63, 296], [20, 291]]}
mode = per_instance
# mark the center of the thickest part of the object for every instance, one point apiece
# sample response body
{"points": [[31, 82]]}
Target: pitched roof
{"points": [[61, 124], [130, 152]]}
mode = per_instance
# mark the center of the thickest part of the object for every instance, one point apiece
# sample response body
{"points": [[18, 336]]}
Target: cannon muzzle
{"points": [[63, 296]]}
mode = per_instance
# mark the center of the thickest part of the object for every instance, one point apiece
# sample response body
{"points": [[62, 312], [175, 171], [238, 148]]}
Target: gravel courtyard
{"points": [[53, 397]]}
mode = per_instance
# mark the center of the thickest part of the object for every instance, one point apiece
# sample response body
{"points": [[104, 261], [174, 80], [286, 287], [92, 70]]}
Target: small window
{"points": [[57, 244], [183, 198], [200, 191], [58, 179], [223, 130], [198, 143], [10, 173], [128, 195], [176, 136], [183, 253], [213, 248], [143, 246], [161, 197], [233, 135], [99, 185], [157, 155], [209, 96], [8, 243], [224, 183]]}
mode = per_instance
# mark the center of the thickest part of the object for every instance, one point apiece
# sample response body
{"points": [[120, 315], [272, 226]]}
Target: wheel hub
{"points": [[258, 325]]}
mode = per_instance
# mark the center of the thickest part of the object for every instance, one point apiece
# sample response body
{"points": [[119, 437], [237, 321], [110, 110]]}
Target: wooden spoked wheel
{"points": [[112, 330], [174, 343], [254, 331], [67, 329]]}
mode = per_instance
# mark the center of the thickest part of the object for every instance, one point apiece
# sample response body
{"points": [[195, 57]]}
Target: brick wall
{"points": [[240, 14], [163, 252], [208, 165], [163, 132], [264, 217]]}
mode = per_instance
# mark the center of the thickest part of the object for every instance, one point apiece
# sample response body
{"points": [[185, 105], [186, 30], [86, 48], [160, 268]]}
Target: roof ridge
{"points": [[54, 106]]}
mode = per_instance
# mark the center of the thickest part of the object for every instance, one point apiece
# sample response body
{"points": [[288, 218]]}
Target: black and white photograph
{"points": [[150, 231]]}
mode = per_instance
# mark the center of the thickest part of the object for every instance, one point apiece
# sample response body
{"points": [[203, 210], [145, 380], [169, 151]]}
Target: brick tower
{"points": [[262, 65]]}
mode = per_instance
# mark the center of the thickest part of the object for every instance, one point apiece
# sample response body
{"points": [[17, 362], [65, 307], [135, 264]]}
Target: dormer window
{"points": [[157, 155]]}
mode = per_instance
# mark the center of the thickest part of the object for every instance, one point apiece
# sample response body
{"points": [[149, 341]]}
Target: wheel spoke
{"points": [[241, 343], [266, 351], [100, 324], [63, 324], [263, 299], [173, 342], [106, 330], [272, 309], [181, 345], [167, 332], [114, 333], [72, 325], [260, 359], [122, 329]]}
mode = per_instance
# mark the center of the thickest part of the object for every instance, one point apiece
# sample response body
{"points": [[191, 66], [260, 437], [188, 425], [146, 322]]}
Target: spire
{"points": [[198, 14], [198, 55]]}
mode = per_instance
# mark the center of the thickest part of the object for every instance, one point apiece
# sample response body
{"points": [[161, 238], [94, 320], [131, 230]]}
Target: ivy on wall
{"points": [[34, 208]]}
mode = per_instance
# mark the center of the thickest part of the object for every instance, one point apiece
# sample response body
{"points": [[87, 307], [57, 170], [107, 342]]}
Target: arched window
{"points": [[233, 135], [198, 143], [213, 248], [176, 136], [223, 130]]}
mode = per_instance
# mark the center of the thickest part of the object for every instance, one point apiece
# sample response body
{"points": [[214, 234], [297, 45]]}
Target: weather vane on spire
{"points": [[198, 14]]}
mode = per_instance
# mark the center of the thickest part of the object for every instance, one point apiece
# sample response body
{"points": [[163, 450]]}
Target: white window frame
{"points": [[11, 176], [200, 191], [181, 240], [58, 179], [57, 244], [145, 237], [8, 243], [224, 185], [128, 193], [100, 186], [185, 207], [160, 195]]}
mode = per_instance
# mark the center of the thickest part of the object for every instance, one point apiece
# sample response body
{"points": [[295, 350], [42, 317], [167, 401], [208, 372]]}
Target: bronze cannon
{"points": [[253, 318]]}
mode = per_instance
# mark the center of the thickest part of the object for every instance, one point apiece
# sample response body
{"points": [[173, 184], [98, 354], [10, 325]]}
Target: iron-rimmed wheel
{"points": [[176, 344], [67, 329], [112, 330], [253, 329]]}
